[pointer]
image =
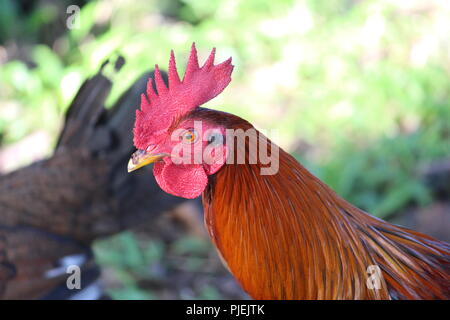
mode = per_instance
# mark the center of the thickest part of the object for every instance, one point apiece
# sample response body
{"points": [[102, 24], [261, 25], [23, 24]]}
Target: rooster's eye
{"points": [[150, 148], [189, 136]]}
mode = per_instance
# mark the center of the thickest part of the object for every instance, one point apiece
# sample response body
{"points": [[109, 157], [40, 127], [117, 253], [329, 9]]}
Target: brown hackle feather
{"points": [[290, 236]]}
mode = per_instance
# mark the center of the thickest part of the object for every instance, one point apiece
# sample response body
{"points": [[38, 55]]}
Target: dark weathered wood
{"points": [[57, 207]]}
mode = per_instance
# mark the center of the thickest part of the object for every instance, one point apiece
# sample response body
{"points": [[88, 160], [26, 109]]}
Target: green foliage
{"points": [[191, 245], [8, 13], [131, 260], [129, 253]]}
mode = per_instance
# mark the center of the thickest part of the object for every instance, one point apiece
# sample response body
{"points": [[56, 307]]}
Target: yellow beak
{"points": [[140, 159]]}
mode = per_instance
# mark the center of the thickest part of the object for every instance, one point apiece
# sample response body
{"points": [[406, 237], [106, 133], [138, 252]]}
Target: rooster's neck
{"points": [[289, 236]]}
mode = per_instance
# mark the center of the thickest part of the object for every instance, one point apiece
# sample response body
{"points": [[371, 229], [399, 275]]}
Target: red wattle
{"points": [[186, 181]]}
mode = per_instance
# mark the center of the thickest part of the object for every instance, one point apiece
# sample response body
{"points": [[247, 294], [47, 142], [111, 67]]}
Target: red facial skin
{"points": [[185, 172], [166, 107]]}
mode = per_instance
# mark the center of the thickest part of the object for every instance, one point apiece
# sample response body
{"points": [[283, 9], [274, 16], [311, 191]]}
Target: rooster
{"points": [[283, 234]]}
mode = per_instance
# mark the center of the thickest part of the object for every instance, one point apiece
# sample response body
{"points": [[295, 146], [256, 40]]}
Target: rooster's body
{"points": [[285, 235], [289, 236]]}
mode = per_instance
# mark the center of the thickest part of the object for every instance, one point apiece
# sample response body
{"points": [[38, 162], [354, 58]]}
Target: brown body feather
{"points": [[289, 236]]}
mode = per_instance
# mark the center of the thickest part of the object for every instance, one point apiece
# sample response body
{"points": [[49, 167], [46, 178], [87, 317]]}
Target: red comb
{"points": [[199, 85]]}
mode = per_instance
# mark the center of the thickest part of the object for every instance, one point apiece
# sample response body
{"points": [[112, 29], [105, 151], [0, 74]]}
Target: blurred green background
{"points": [[358, 91]]}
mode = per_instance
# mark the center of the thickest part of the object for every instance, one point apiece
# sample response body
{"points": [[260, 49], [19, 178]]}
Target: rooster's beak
{"points": [[141, 158]]}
